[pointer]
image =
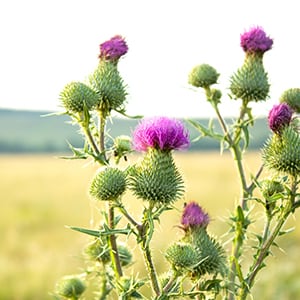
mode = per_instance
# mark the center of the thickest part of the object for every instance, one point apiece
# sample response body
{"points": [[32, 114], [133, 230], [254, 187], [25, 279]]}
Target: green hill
{"points": [[30, 132]]}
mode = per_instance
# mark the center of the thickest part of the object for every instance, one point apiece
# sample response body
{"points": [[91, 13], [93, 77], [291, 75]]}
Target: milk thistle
{"points": [[199, 267], [156, 178]]}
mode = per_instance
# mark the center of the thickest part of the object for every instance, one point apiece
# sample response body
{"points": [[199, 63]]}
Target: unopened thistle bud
{"points": [[98, 250], [70, 287], [270, 188], [203, 76], [279, 117], [181, 255], [282, 152], [76, 95], [250, 82], [292, 98], [122, 146], [108, 184], [125, 255], [156, 178]]}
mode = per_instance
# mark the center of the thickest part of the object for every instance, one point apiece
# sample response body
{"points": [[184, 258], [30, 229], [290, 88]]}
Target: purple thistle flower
{"points": [[161, 133], [194, 216], [256, 41], [279, 116], [114, 48]]}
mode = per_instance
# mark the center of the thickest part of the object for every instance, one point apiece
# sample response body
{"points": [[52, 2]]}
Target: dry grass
{"points": [[42, 194]]}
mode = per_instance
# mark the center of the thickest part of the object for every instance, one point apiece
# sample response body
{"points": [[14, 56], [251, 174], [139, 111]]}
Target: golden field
{"points": [[41, 194]]}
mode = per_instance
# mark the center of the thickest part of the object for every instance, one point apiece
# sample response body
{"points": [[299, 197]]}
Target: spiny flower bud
{"points": [[292, 98], [70, 287], [203, 76], [122, 146], [250, 82], [113, 49], [279, 116], [156, 178], [109, 85], [160, 133], [256, 41], [282, 152], [194, 216], [98, 250], [181, 255], [271, 187], [125, 255], [108, 184], [76, 95]]}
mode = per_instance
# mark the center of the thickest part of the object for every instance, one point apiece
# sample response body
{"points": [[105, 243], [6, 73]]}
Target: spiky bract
{"points": [[282, 152], [156, 178], [181, 255], [250, 82], [108, 184], [76, 95], [203, 76], [292, 98], [211, 256], [70, 287], [109, 85], [98, 250]]}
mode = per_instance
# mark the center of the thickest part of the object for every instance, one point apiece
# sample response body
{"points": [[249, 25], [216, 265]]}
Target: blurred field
{"points": [[42, 194]]}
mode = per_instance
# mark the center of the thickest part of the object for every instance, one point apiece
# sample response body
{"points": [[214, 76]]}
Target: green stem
{"points": [[146, 233], [151, 269], [113, 243], [264, 250]]}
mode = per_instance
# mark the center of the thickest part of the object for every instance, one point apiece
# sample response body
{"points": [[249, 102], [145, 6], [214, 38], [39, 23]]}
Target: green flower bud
{"points": [[282, 152], [156, 178], [250, 82], [109, 85], [70, 287], [125, 255], [292, 98], [203, 76], [98, 250], [271, 187], [181, 255], [76, 95], [108, 184], [122, 146]]}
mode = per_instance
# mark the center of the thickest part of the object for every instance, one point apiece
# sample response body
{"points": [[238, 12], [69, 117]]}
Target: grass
{"points": [[42, 194]]}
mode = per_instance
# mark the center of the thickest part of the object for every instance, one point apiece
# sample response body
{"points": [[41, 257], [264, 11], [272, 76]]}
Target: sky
{"points": [[47, 44]]}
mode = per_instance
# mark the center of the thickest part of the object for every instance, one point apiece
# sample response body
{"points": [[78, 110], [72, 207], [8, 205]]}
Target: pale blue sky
{"points": [[46, 44]]}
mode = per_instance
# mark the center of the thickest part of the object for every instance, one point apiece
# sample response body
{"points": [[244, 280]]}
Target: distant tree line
{"points": [[31, 132]]}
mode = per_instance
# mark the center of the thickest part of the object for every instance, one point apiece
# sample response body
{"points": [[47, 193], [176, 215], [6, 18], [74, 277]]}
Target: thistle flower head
{"points": [[113, 49], [256, 41], [194, 216], [161, 133], [279, 116]]}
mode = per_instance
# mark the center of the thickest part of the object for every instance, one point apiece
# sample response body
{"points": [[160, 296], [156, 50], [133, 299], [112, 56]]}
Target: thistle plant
{"points": [[201, 266]]}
